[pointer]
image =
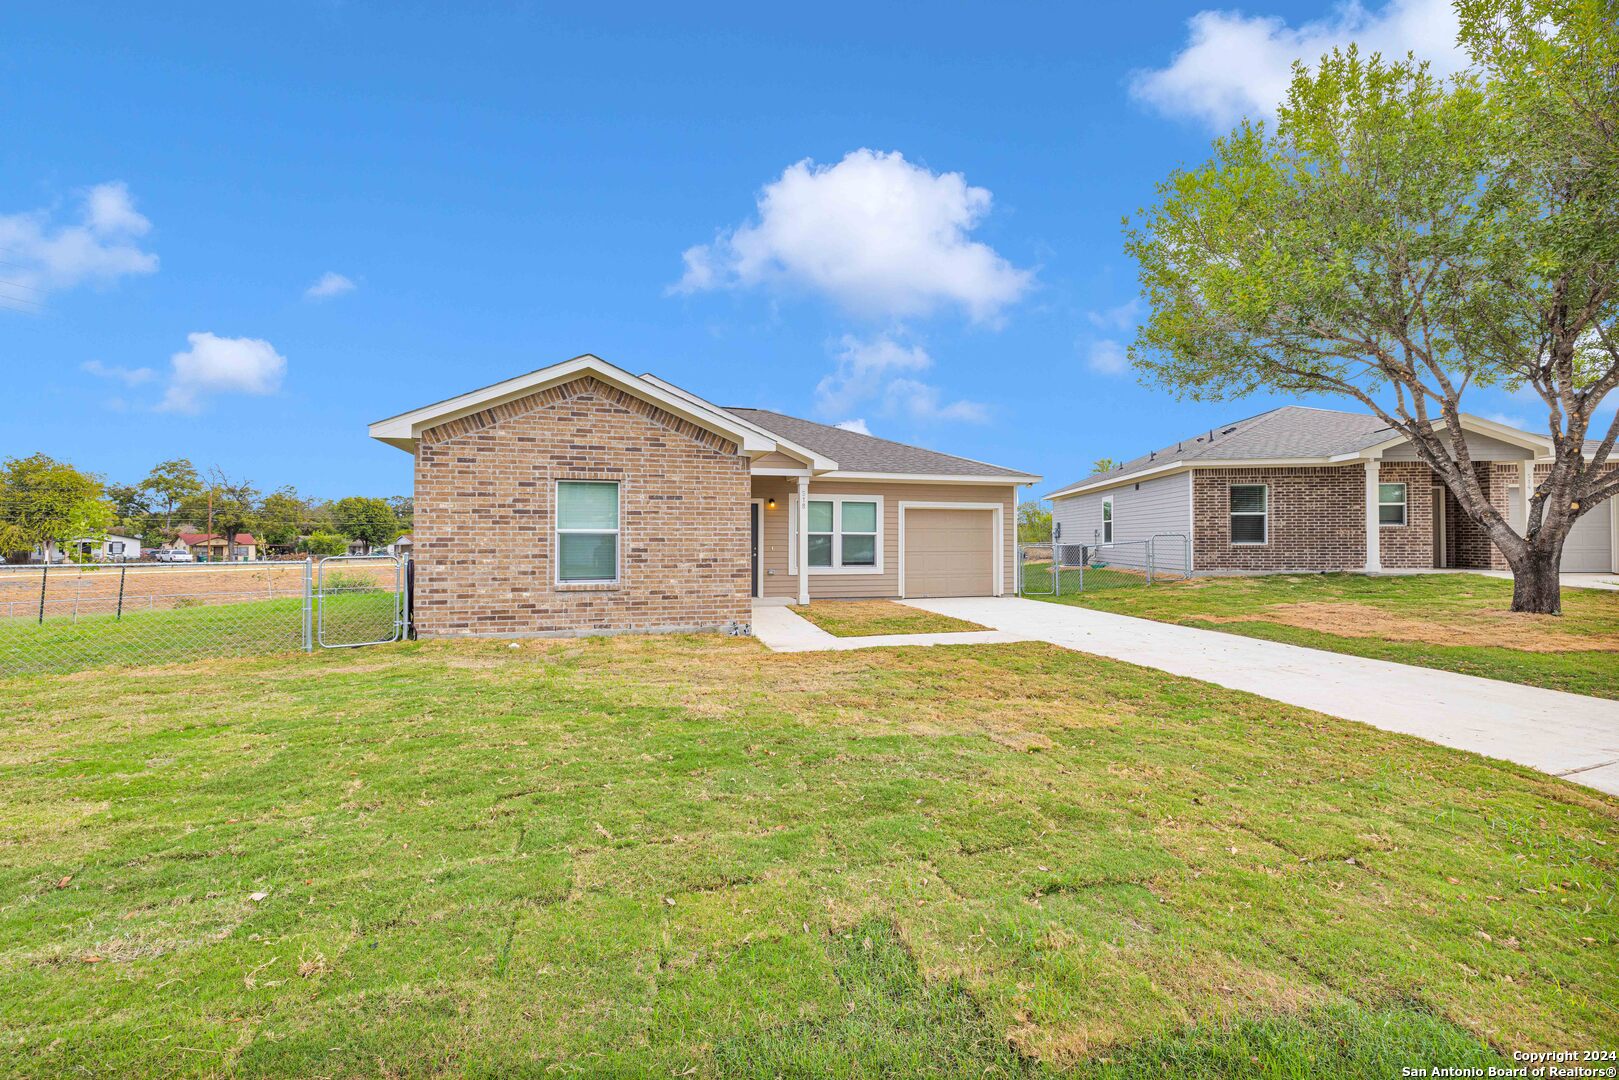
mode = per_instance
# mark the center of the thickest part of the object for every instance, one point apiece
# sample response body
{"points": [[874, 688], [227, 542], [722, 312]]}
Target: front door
{"points": [[754, 533]]}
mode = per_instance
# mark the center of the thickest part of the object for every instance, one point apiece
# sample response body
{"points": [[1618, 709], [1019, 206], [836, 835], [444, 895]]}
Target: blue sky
{"points": [[241, 238]]}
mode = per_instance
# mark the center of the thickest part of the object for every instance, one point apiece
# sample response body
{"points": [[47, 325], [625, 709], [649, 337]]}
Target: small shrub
{"points": [[187, 601], [337, 581]]}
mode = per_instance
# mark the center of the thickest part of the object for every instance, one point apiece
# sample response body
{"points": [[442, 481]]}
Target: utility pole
{"points": [[208, 542]]}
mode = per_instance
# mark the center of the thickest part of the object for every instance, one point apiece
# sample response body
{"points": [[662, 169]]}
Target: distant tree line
{"points": [[46, 503]]}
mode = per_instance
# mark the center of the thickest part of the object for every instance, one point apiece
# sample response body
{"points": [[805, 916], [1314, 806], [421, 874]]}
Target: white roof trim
{"points": [[403, 430], [1541, 444], [1125, 478], [1469, 423], [930, 478], [818, 462]]}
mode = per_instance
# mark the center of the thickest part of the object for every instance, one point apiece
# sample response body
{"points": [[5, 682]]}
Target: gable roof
{"points": [[828, 451], [191, 538], [858, 453], [404, 429], [1289, 433]]}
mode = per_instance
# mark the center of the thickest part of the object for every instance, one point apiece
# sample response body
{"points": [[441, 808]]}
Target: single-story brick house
{"points": [[580, 498], [1299, 488]]}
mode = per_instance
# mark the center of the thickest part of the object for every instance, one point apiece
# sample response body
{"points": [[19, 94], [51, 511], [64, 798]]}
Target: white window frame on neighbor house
{"points": [[1403, 504], [1107, 520], [1262, 515], [837, 566], [616, 532]]}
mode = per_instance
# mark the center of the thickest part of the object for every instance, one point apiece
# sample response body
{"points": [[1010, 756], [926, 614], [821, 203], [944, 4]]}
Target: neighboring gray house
{"points": [[1299, 488]]}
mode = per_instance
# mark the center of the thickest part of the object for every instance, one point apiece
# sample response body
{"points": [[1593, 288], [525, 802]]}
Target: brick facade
{"points": [[1469, 544], [1408, 546], [1317, 519], [484, 543]]}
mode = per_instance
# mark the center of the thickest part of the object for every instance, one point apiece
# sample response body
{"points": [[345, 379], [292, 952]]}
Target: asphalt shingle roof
{"points": [[1292, 431], [855, 452]]}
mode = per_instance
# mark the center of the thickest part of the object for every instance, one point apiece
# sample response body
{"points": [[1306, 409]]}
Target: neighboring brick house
{"points": [[582, 499], [1299, 488]]}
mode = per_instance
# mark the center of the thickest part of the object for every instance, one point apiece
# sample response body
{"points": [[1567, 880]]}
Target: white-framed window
{"points": [[115, 547], [1391, 506], [1107, 520], [845, 535], [1250, 513], [587, 532]]}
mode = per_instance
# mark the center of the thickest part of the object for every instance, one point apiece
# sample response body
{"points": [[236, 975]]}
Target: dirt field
{"points": [[72, 591]]}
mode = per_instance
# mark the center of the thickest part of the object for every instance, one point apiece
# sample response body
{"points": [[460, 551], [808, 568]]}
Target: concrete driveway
{"points": [[1567, 735]]}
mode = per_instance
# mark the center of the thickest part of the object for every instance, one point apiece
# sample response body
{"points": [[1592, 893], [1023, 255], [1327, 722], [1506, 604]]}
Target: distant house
{"points": [[110, 548], [47, 552], [401, 546], [215, 548], [1298, 488]]}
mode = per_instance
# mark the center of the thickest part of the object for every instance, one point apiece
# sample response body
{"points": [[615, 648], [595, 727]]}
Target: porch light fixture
{"points": [[770, 504]]}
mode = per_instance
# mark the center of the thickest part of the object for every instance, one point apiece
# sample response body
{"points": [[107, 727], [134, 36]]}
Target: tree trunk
{"points": [[1535, 586]]}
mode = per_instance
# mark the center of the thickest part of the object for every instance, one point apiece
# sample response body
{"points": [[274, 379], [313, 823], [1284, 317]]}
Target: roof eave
{"points": [[404, 430], [817, 462], [931, 478]]}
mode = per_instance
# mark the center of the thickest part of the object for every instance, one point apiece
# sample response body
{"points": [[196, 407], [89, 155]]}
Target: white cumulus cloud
{"points": [[101, 246], [1236, 65], [1107, 357], [855, 424], [221, 365], [877, 234], [328, 285], [882, 371], [127, 376]]}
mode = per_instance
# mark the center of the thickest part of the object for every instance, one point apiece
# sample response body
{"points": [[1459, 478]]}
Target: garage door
{"points": [[949, 553], [1589, 547]]}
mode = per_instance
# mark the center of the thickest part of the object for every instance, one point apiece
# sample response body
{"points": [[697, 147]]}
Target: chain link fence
{"points": [[1069, 569], [72, 617]]}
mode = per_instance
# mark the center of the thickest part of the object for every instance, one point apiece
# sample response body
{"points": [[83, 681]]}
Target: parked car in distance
{"points": [[175, 555]]}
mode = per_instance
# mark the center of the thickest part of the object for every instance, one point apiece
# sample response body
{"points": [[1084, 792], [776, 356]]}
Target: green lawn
{"points": [[864, 618], [64, 644], [1458, 622], [688, 856]]}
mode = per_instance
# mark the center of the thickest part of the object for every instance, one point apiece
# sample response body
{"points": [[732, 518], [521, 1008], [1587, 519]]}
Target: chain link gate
{"points": [[357, 600]]}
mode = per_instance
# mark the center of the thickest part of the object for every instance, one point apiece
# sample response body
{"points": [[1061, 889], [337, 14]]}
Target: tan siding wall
{"points": [[777, 580], [777, 460], [483, 528]]}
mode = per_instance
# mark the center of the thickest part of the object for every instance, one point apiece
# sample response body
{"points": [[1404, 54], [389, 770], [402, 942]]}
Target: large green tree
{"points": [[47, 503], [282, 518], [168, 487], [1400, 240], [360, 517], [230, 505]]}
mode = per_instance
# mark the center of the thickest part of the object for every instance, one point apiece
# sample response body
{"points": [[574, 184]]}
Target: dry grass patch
{"points": [[1503, 629], [1457, 622]]}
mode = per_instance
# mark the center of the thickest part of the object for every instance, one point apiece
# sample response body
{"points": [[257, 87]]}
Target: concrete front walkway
{"points": [[784, 630], [1568, 735]]}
